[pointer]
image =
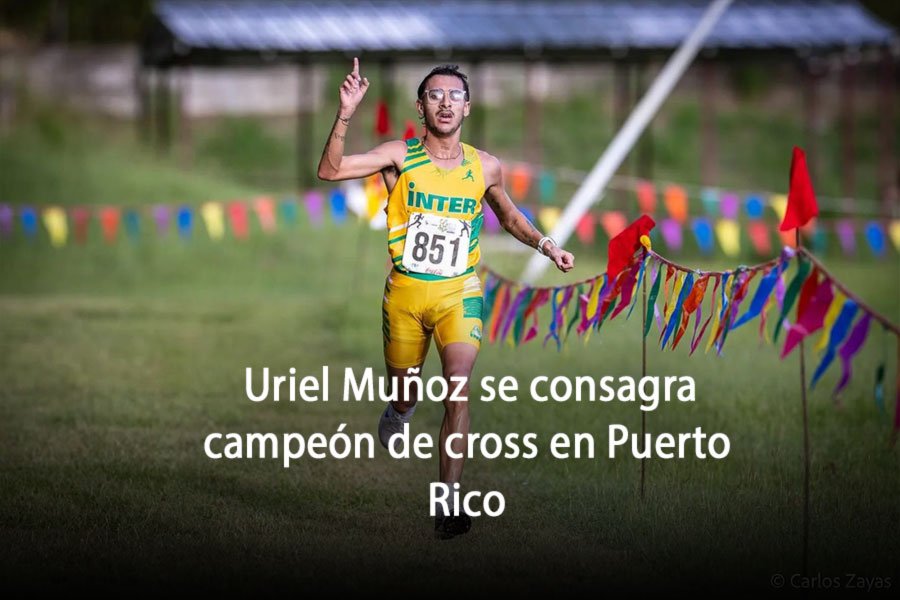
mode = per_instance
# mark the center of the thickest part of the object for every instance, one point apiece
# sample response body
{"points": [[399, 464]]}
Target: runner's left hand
{"points": [[564, 260]]}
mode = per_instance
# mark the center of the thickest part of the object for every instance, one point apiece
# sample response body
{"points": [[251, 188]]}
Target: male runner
{"points": [[436, 185]]}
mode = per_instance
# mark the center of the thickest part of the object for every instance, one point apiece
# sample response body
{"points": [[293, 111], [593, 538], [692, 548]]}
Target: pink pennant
{"points": [[811, 319]]}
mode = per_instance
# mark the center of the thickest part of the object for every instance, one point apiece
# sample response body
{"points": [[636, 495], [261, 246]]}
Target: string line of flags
{"points": [[790, 298], [728, 221]]}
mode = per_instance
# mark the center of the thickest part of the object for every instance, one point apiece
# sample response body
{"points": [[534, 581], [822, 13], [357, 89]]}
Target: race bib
{"points": [[436, 245]]}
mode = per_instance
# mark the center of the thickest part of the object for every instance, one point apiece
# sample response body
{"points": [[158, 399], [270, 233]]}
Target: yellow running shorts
{"points": [[414, 308]]}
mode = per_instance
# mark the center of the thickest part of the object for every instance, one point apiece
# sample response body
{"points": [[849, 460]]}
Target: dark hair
{"points": [[445, 70]]}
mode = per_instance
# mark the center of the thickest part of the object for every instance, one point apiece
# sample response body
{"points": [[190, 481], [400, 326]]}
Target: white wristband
{"points": [[540, 244]]}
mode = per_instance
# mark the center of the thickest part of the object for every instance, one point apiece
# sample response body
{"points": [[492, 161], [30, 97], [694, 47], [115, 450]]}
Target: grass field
{"points": [[117, 361]]}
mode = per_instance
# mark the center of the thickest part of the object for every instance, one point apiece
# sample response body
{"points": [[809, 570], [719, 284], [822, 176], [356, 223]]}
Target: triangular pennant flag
{"points": [[29, 221], [288, 208], [313, 202], [547, 185], [265, 212], [357, 201], [520, 182], [585, 228], [846, 233], [382, 119], [81, 218], [646, 196], [337, 201], [671, 233], [778, 202], [710, 199], [801, 204], [754, 207], [895, 233], [161, 215], [57, 225], [109, 222], [676, 202], [132, 224], [548, 216], [810, 317], [848, 350], [729, 236], [185, 220], [613, 223], [759, 237], [237, 217], [6, 220], [214, 219], [730, 205], [703, 233], [876, 238]]}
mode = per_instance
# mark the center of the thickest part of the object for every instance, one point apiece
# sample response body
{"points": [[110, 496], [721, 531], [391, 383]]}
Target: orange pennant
{"points": [[676, 202], [109, 221]]}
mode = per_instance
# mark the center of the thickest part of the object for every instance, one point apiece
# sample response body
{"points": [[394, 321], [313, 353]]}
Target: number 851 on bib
{"points": [[436, 245]]}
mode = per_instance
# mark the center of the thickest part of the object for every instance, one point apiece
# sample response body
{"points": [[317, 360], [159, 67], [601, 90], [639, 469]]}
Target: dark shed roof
{"points": [[212, 31]]}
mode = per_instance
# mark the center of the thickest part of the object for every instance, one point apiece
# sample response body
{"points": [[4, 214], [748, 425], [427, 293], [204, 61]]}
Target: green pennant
{"points": [[577, 311], [520, 315], [803, 269], [651, 301]]}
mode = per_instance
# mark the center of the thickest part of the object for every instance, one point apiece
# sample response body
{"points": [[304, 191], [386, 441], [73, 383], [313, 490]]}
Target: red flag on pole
{"points": [[801, 205], [623, 246], [382, 119]]}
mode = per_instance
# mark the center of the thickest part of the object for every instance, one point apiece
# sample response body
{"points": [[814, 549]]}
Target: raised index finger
{"points": [[355, 67]]}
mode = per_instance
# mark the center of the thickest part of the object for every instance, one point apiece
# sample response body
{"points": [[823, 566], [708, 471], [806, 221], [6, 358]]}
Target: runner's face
{"points": [[444, 117]]}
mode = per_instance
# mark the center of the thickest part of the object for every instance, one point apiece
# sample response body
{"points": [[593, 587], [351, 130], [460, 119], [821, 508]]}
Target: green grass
{"points": [[118, 360]]}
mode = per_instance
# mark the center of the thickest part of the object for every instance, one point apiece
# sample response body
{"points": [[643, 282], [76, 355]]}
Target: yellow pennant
{"points": [[779, 204], [894, 229], [673, 300], [715, 322], [548, 216], [57, 225], [213, 217], [729, 236], [830, 317]]}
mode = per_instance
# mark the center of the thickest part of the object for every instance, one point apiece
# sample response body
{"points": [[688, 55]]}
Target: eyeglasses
{"points": [[437, 95]]}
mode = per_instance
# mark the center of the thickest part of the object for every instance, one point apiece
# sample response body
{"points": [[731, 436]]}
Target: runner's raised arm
{"points": [[334, 166]]}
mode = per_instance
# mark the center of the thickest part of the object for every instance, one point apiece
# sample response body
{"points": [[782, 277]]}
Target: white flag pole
{"points": [[621, 145]]}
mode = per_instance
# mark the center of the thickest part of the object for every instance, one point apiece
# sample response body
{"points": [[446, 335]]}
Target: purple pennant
{"points": [[491, 222], [658, 315], [846, 235], [511, 314], [850, 348], [671, 233], [730, 205], [161, 218], [6, 220], [812, 318], [314, 205]]}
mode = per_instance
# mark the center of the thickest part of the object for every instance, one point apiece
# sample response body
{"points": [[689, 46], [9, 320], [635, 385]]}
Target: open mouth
{"points": [[445, 117]]}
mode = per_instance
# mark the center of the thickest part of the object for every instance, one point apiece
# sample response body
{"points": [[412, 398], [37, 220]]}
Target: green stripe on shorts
{"points": [[472, 307]]}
